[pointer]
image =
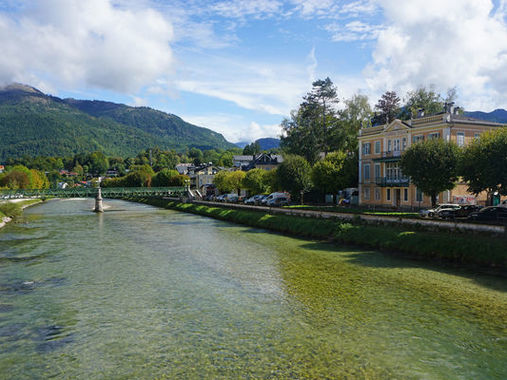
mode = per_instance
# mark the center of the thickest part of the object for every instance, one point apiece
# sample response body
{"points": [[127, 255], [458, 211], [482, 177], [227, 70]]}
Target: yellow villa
{"points": [[381, 182]]}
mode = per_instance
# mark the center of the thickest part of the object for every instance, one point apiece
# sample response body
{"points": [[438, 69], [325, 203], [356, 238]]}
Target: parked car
{"points": [[490, 214], [503, 204], [220, 198], [259, 200], [271, 196], [434, 211], [249, 201], [461, 212], [253, 200], [278, 202], [231, 198]]}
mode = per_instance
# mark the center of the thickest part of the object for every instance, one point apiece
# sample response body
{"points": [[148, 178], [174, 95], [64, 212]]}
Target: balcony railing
{"points": [[400, 181], [392, 155]]}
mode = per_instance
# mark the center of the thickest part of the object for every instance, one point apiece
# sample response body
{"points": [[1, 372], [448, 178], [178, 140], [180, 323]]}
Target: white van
{"points": [[274, 196]]}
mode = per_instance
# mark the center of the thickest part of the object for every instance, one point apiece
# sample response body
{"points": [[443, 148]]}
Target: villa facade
{"points": [[381, 181]]}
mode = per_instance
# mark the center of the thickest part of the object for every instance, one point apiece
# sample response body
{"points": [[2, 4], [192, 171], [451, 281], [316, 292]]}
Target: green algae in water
{"points": [[148, 293]]}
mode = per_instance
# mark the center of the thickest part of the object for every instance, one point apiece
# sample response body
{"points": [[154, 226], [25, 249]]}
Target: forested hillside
{"points": [[35, 124]]}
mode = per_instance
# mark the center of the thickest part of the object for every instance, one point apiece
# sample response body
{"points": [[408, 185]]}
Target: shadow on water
{"points": [[52, 337], [488, 277], [24, 287]]}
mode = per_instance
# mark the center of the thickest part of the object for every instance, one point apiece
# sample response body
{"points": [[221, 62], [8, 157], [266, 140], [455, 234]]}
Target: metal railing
{"points": [[400, 181], [91, 192]]}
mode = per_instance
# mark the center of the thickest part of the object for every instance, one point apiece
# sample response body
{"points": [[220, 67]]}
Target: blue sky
{"points": [[240, 66]]}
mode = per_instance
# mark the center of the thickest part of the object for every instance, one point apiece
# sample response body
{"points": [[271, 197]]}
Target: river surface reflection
{"points": [[140, 292]]}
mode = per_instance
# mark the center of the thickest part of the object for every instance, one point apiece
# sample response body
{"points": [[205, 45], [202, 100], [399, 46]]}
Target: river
{"points": [[141, 292]]}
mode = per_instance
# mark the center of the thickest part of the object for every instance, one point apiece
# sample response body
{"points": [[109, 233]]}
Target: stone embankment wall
{"points": [[430, 224]]}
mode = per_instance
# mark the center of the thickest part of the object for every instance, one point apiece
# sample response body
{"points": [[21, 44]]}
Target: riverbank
{"points": [[11, 209], [450, 247]]}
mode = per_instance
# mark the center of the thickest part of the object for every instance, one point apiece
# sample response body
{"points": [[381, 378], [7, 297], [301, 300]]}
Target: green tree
{"points": [[432, 166], [356, 114], [98, 163], [211, 155], [252, 149], [484, 163], [226, 181], [422, 98], [17, 177], [196, 156], [271, 179], [226, 159], [167, 177], [314, 127], [294, 175], [255, 181], [388, 107], [163, 178], [328, 174], [137, 178], [39, 180]]}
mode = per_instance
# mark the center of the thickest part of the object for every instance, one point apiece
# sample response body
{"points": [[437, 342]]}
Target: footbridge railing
{"points": [[91, 192]]}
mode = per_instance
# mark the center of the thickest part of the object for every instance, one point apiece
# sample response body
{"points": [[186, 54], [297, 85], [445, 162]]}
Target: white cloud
{"points": [[333, 9], [269, 87], [235, 127], [242, 8], [445, 43], [353, 31], [91, 42]]}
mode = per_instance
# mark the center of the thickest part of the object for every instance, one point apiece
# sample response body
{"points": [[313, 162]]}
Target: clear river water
{"points": [[141, 292]]}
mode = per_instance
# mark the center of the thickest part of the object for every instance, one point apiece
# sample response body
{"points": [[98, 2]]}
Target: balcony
{"points": [[401, 181], [389, 156]]}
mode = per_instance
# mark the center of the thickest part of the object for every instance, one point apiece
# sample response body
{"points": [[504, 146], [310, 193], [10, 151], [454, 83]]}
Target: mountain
{"points": [[497, 116], [241, 144], [33, 123], [268, 143]]}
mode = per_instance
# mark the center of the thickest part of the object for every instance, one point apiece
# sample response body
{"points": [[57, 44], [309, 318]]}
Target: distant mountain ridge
{"points": [[498, 116], [33, 123], [266, 143]]}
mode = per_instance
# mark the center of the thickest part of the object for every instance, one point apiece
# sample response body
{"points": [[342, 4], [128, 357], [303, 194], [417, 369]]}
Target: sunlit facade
{"points": [[381, 181]]}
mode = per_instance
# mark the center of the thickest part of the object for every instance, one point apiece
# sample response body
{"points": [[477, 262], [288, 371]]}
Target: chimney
{"points": [[449, 107]]}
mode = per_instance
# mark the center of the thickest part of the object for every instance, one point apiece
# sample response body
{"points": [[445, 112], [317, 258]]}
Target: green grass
{"points": [[10, 209], [470, 249], [15, 209], [354, 210]]}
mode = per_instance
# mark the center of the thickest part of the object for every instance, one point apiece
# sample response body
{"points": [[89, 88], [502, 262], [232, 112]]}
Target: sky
{"points": [[240, 66]]}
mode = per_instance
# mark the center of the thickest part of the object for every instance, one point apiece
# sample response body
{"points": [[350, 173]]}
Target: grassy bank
{"points": [[356, 210], [14, 209], [433, 246]]}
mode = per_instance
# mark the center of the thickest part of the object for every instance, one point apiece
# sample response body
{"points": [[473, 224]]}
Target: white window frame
{"points": [[378, 194], [366, 172], [377, 145], [417, 138], [375, 171], [460, 138], [366, 193]]}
